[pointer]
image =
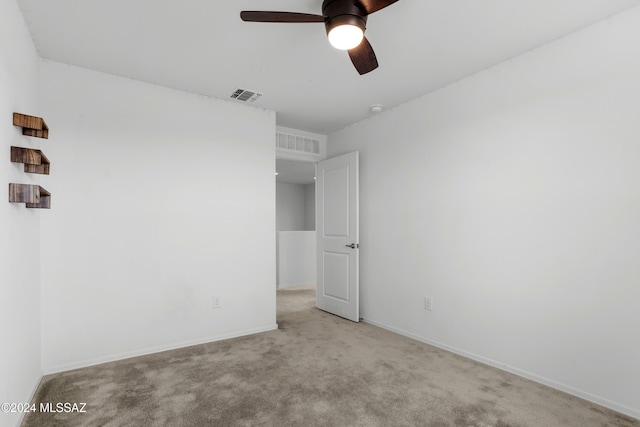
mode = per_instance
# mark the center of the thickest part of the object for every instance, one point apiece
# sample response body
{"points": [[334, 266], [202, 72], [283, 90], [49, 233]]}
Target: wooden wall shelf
{"points": [[31, 125], [33, 195], [34, 160]]}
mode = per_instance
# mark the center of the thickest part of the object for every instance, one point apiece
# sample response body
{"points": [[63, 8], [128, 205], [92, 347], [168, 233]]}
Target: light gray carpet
{"points": [[316, 370]]}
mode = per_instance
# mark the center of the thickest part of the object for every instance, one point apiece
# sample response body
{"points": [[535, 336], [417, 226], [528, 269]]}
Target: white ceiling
{"points": [[202, 46]]}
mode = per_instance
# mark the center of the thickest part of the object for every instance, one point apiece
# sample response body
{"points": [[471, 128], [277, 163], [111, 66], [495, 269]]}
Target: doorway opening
{"points": [[295, 224]]}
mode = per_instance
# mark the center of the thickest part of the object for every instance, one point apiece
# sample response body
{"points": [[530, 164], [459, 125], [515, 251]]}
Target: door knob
{"points": [[353, 246]]}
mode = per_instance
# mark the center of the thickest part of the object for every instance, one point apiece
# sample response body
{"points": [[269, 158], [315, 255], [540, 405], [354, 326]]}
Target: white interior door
{"points": [[337, 205]]}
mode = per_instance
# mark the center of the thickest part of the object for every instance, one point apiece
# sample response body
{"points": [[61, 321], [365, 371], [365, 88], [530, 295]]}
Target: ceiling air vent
{"points": [[244, 95], [301, 144]]}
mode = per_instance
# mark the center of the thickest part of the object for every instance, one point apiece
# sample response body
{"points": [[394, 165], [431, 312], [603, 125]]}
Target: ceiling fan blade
{"points": [[375, 5], [263, 16], [363, 57]]}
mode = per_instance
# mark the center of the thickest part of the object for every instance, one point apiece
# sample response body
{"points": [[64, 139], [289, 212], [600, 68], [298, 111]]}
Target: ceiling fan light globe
{"points": [[345, 37]]}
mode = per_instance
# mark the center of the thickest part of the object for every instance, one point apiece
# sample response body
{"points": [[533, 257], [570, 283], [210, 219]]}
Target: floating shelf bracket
{"points": [[31, 125], [33, 195], [34, 160]]}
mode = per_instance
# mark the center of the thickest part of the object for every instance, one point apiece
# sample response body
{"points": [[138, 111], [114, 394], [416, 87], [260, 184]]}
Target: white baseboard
{"points": [[32, 395], [150, 350], [295, 285], [623, 409]]}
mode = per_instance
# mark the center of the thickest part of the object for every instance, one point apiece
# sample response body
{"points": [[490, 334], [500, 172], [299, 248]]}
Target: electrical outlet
{"points": [[217, 300], [428, 303]]}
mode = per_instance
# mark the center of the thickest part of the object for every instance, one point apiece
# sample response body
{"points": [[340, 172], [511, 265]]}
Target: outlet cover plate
{"points": [[217, 300]]}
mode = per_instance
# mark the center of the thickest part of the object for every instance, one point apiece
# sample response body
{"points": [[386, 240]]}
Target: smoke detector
{"points": [[376, 108]]}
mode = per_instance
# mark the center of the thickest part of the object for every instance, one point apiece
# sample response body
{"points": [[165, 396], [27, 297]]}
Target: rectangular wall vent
{"points": [[300, 144], [244, 95]]}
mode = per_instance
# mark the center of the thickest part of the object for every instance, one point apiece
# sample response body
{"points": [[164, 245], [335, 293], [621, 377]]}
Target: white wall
{"points": [[19, 227], [310, 207], [512, 198], [160, 200], [296, 255], [295, 207], [290, 207]]}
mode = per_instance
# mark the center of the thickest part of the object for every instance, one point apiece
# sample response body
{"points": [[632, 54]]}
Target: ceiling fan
{"points": [[345, 23]]}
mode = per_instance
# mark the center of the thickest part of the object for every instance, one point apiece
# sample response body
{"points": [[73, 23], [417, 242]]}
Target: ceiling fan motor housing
{"points": [[345, 22], [343, 12]]}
